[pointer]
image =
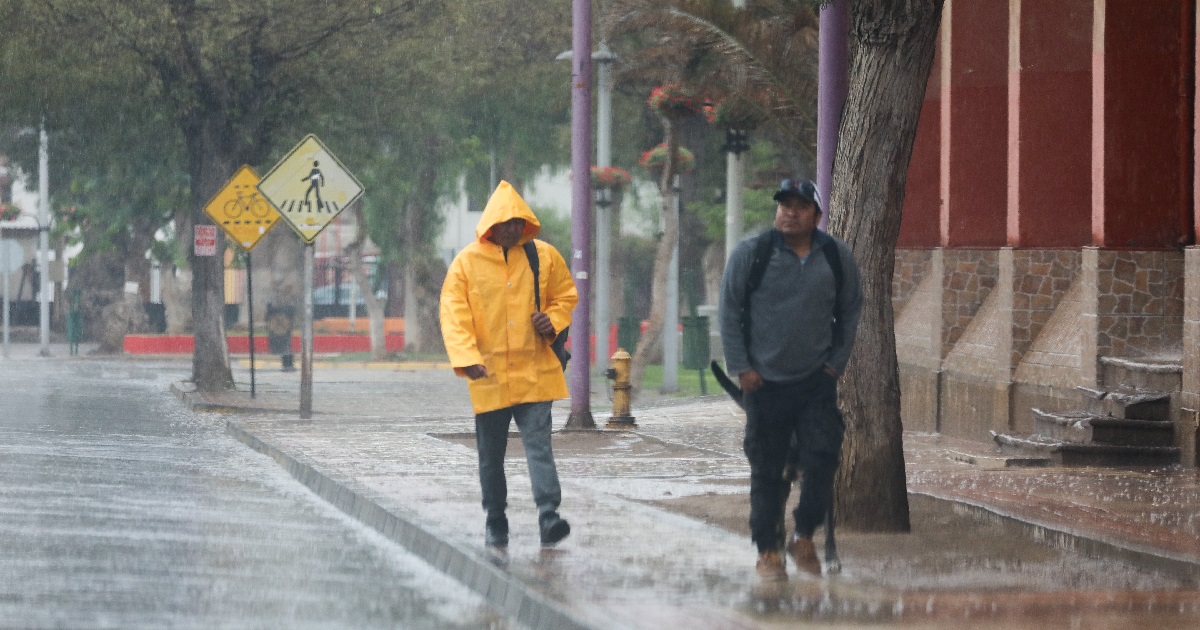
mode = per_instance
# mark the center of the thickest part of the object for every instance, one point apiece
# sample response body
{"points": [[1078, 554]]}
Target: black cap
{"points": [[800, 188]]}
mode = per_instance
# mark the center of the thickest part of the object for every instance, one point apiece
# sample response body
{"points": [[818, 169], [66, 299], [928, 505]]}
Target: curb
{"points": [[505, 593], [186, 392], [1180, 568]]}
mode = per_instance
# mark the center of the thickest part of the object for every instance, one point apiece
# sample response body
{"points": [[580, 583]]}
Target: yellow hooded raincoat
{"points": [[486, 306]]}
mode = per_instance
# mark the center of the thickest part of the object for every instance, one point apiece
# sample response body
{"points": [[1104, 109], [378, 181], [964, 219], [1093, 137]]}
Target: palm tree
{"points": [[768, 48]]}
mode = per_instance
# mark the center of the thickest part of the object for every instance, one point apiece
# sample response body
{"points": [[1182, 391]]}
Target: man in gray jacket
{"points": [[790, 304]]}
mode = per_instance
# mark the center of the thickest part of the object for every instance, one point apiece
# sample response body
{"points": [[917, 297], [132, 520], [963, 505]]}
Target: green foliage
{"points": [[556, 230], [116, 161], [687, 380], [757, 203], [637, 256]]}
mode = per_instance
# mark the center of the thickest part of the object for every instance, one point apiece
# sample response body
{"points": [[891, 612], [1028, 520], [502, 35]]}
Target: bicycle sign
{"points": [[241, 210]]}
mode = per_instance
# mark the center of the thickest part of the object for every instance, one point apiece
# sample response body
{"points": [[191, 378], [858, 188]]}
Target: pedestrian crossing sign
{"points": [[241, 211], [310, 187]]}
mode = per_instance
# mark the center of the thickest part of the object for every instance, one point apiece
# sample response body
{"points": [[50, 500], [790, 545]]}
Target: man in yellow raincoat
{"points": [[498, 340]]}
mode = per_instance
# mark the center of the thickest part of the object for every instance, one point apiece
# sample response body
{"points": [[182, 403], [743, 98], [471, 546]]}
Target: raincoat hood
{"points": [[506, 204]]}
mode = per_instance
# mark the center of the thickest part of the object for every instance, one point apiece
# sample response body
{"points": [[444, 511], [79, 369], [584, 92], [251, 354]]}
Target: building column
{"points": [[1049, 123], [1188, 425]]}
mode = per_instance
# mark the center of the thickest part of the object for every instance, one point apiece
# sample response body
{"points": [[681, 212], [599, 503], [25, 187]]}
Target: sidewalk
{"points": [[658, 517]]}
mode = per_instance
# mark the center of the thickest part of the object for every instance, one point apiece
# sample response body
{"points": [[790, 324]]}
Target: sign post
{"points": [[246, 217], [310, 187]]}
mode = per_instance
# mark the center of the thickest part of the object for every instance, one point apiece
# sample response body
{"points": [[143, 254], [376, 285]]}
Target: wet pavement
{"points": [[998, 546], [121, 508]]}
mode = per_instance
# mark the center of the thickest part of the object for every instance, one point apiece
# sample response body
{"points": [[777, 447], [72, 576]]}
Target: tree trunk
{"points": [[662, 261], [412, 327], [177, 286], [893, 47], [283, 253], [374, 306], [423, 271], [176, 296], [209, 170], [713, 265]]}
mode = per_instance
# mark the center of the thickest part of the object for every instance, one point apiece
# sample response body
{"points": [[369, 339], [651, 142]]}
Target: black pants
{"points": [[791, 425]]}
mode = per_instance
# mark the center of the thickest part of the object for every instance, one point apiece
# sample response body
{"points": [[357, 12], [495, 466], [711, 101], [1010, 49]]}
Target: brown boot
{"points": [[770, 566], [804, 554]]}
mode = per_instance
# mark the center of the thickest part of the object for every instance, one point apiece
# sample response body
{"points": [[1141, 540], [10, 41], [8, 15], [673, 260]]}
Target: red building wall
{"points": [[976, 210], [1052, 206], [1147, 157], [919, 225]]}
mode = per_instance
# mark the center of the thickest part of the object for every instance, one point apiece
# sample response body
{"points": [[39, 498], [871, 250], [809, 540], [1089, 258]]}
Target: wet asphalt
{"points": [[121, 508]]}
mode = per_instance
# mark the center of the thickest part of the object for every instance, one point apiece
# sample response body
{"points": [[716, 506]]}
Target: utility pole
{"points": [[581, 205], [44, 238]]}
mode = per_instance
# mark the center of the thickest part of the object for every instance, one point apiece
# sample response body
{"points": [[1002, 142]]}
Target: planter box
{"points": [[184, 344]]}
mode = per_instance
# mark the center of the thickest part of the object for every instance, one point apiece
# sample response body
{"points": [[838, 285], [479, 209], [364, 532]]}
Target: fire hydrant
{"points": [[622, 390]]}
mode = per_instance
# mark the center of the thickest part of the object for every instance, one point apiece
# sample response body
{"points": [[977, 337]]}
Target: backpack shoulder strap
{"points": [[834, 259], [531, 254], [763, 244], [758, 265]]}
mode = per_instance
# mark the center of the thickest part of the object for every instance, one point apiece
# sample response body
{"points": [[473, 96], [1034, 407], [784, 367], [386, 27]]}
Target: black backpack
{"points": [[559, 345]]}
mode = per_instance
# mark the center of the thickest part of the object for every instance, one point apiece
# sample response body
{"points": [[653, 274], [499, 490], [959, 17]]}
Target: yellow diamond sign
{"points": [[310, 187], [241, 211]]}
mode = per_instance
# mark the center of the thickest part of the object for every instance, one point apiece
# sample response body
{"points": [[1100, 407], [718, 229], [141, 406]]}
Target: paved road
{"points": [[120, 508]]}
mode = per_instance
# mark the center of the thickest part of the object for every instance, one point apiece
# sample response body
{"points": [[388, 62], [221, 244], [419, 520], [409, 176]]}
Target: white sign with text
{"points": [[206, 240]]}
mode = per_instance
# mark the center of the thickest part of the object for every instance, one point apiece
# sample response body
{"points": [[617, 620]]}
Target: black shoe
{"points": [[554, 528], [496, 532]]}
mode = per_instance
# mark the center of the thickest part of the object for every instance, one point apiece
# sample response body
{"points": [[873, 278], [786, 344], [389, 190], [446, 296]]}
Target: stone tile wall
{"points": [[912, 266], [969, 276], [918, 315], [976, 335], [917, 301], [1041, 279], [983, 335], [1055, 355], [1139, 302]]}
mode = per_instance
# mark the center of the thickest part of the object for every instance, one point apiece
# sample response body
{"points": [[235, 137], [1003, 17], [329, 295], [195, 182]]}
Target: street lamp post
{"points": [[670, 338], [604, 202], [44, 238], [604, 58], [737, 142]]}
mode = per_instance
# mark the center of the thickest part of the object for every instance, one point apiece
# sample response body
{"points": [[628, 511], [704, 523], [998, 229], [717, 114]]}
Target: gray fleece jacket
{"points": [[791, 333]]}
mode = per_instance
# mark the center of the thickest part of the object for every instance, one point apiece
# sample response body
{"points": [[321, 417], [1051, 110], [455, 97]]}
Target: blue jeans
{"points": [[491, 440]]}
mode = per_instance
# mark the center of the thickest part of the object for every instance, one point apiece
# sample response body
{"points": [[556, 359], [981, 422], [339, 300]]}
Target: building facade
{"points": [[1050, 220]]}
